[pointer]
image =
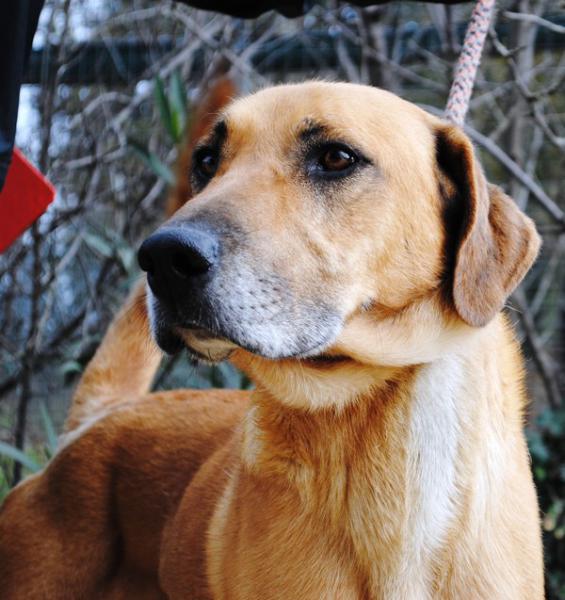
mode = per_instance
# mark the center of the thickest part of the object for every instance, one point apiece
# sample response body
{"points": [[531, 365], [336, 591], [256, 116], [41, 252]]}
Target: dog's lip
{"points": [[198, 332], [191, 335], [208, 358], [205, 344], [326, 360]]}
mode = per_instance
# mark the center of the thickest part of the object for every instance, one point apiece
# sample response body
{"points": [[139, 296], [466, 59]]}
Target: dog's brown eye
{"points": [[208, 164], [205, 163], [337, 159]]}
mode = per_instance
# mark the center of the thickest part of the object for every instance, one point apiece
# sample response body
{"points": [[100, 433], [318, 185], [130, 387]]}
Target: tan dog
{"points": [[345, 251]]}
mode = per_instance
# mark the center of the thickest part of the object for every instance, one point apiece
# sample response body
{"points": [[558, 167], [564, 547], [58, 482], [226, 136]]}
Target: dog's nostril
{"points": [[189, 263]]}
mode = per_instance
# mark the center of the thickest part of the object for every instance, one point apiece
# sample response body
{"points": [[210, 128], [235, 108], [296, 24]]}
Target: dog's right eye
{"points": [[205, 164], [336, 158], [332, 160]]}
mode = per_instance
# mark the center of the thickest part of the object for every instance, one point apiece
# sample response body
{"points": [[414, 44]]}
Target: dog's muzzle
{"points": [[211, 292]]}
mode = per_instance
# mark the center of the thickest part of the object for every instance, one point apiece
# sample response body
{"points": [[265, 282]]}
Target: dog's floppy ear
{"points": [[495, 243]]}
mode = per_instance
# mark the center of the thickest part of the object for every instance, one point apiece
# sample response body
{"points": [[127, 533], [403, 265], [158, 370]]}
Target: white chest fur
{"points": [[433, 443]]}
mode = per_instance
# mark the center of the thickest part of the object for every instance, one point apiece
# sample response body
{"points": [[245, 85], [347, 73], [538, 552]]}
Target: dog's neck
{"points": [[382, 467]]}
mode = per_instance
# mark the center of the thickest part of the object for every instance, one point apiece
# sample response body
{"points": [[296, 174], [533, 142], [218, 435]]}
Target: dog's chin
{"points": [[204, 346]]}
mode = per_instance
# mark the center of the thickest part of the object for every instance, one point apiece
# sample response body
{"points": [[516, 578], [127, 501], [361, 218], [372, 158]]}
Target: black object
{"points": [[247, 9], [18, 22]]}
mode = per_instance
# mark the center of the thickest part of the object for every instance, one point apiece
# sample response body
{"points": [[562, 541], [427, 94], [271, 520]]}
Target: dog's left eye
{"points": [[332, 160], [205, 164], [337, 158]]}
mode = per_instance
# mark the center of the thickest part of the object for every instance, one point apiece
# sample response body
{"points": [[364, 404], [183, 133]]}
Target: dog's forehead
{"points": [[352, 111]]}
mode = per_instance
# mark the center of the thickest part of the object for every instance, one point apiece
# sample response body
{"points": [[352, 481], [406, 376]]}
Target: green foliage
{"points": [[109, 244], [51, 437], [152, 161], [5, 485], [34, 459], [178, 104], [547, 447], [172, 105], [14, 454]]}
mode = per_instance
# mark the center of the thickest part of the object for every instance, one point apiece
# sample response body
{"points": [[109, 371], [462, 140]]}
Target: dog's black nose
{"points": [[175, 256]]}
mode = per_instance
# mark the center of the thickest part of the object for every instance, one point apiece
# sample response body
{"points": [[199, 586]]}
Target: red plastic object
{"points": [[25, 196]]}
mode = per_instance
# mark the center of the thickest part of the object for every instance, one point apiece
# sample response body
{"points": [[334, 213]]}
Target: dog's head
{"points": [[333, 220]]}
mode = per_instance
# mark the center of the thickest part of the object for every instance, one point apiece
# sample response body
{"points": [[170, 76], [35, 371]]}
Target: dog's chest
{"points": [[373, 498], [401, 488]]}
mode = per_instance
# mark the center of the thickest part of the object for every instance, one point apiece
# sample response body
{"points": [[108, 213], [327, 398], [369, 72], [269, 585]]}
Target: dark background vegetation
{"points": [[104, 111]]}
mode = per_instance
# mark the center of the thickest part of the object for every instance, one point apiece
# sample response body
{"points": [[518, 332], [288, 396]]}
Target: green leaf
{"points": [[161, 169], [49, 428], [216, 377], [164, 107], [98, 244], [176, 124], [19, 456], [152, 161], [231, 376], [140, 150], [553, 421], [178, 93], [552, 516], [246, 383], [69, 367], [178, 104], [127, 257], [538, 448]]}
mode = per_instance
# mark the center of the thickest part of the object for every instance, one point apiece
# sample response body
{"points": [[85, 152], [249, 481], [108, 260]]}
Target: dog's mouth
{"points": [[213, 335], [207, 346]]}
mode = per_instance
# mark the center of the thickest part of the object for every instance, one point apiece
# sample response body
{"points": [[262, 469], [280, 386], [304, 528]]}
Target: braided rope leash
{"points": [[469, 59]]}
